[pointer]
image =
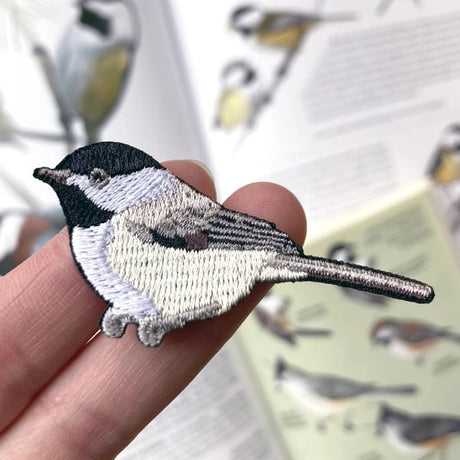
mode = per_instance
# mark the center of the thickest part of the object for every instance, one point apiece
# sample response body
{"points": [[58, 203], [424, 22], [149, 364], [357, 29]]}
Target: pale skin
{"points": [[61, 397]]}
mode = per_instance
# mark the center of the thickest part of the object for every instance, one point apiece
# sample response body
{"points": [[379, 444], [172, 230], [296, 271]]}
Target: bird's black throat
{"points": [[78, 209]]}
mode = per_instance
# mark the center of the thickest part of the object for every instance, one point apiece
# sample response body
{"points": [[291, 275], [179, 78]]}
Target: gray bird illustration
{"points": [[410, 338], [241, 96], [328, 394], [344, 251], [161, 254], [94, 60], [272, 314], [418, 434]]}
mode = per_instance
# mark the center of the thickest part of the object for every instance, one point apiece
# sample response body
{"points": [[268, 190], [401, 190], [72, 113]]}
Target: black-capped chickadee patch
{"points": [[161, 254]]}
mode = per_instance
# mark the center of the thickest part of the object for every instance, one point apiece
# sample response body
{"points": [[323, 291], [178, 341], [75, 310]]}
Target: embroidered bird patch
{"points": [[161, 254]]}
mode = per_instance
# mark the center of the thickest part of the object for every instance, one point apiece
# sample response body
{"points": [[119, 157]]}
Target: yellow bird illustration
{"points": [[241, 96], [93, 61], [445, 168], [445, 171], [278, 29]]}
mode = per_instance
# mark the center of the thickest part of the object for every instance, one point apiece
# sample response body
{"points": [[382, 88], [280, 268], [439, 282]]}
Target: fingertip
{"points": [[195, 174], [273, 203]]}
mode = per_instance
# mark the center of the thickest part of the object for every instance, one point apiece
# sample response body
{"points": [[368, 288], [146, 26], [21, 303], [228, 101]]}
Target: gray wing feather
{"points": [[282, 21], [424, 429], [231, 230], [332, 387]]}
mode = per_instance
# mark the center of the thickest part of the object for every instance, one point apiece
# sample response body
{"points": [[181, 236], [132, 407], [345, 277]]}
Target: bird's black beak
{"points": [[52, 176]]}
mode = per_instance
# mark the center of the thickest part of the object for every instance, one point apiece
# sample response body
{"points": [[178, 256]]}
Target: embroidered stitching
{"points": [[161, 254]]}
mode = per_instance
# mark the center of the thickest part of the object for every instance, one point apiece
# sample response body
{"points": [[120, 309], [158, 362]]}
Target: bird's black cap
{"points": [[280, 368], [113, 157], [241, 11]]}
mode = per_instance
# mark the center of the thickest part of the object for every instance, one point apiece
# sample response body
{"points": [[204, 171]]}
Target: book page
{"points": [[349, 364], [354, 110], [215, 418]]}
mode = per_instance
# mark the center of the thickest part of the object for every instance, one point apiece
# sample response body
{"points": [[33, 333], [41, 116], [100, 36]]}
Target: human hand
{"points": [[64, 397]]}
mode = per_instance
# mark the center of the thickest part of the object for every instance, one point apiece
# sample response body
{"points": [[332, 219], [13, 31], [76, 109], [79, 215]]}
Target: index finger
{"points": [[110, 391], [49, 312]]}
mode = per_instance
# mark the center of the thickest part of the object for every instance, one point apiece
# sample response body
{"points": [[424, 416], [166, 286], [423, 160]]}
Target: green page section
{"points": [[322, 403]]}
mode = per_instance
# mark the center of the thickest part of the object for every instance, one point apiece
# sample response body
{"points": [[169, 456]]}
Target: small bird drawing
{"points": [[272, 315], [344, 251], [384, 5], [161, 254], [444, 170], [446, 165], [93, 62], [283, 30], [424, 435], [327, 394], [410, 338], [240, 98]]}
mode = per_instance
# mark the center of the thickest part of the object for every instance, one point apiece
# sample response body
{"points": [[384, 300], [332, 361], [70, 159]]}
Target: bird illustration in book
{"points": [[272, 315], [161, 254], [280, 30], [327, 394], [241, 96], [410, 338], [425, 435], [445, 168], [344, 251], [384, 5], [93, 62]]}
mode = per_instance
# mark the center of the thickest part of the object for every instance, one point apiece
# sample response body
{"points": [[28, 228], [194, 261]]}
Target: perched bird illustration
{"points": [[161, 254], [241, 96], [345, 252], [446, 165], [272, 314], [93, 61], [384, 5], [417, 434], [279, 29], [283, 30], [445, 169], [410, 339], [327, 394]]}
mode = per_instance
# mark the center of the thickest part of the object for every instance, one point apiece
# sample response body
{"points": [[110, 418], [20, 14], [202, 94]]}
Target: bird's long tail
{"points": [[452, 336], [396, 390], [312, 332], [322, 270]]}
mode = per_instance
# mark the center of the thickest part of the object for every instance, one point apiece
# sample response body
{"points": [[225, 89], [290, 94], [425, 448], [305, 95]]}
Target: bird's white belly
{"points": [[90, 249], [181, 281], [311, 400], [401, 350], [402, 445]]}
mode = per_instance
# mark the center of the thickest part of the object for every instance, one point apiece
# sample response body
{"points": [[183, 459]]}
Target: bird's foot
{"points": [[151, 330], [114, 325]]}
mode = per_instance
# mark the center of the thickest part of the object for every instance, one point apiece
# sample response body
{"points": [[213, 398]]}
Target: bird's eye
{"points": [[99, 178]]}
